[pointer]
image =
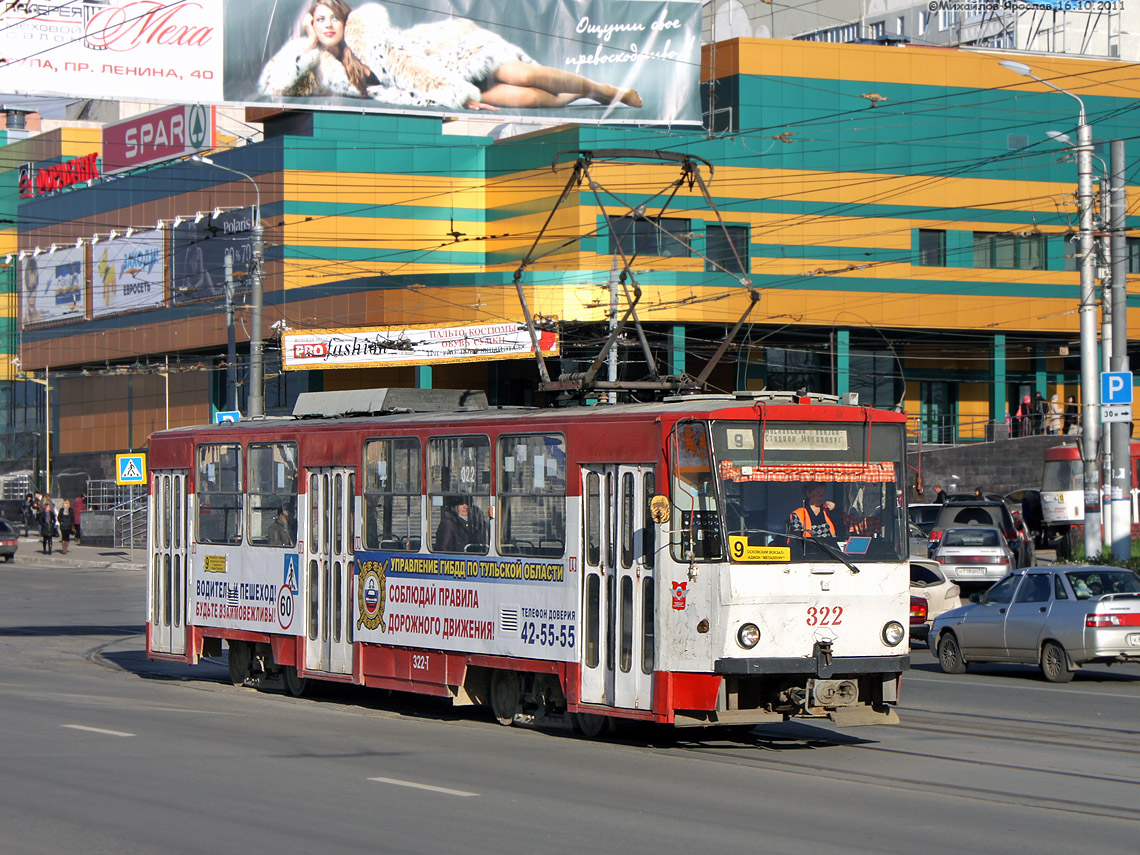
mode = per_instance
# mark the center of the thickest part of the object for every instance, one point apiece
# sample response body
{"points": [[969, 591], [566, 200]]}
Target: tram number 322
{"points": [[825, 616], [548, 634]]}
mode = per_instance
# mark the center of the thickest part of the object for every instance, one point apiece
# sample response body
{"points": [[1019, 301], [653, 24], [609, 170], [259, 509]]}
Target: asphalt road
{"points": [[104, 752]]}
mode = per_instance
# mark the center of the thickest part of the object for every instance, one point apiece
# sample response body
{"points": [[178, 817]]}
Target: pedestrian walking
{"points": [[79, 506], [1025, 417], [29, 513], [1056, 415], [66, 520], [1040, 413], [1071, 426], [48, 523]]}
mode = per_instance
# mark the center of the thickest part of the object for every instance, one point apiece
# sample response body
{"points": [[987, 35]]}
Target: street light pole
{"points": [[46, 383], [1090, 392], [1121, 504], [256, 342]]}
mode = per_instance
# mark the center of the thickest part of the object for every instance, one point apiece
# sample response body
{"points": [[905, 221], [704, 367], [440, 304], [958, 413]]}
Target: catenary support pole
{"points": [[1121, 487]]}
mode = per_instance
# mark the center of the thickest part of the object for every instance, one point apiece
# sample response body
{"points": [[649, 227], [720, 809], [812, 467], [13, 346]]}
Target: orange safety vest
{"points": [[805, 520]]}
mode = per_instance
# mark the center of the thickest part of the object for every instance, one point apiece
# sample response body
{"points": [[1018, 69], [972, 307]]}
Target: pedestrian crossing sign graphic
{"points": [[130, 468]]}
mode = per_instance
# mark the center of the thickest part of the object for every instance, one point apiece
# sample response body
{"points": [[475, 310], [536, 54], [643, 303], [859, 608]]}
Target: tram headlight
{"points": [[893, 633], [748, 636]]}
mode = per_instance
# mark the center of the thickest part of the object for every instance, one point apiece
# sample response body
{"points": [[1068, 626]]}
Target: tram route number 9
{"points": [[548, 634], [824, 615]]}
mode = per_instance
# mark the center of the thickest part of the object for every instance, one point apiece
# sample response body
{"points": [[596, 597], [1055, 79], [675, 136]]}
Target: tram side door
{"points": [[168, 553], [328, 570], [618, 597]]}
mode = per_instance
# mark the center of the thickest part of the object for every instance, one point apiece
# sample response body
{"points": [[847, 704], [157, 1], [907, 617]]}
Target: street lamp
{"points": [[1107, 333], [46, 383], [256, 345], [1090, 391]]}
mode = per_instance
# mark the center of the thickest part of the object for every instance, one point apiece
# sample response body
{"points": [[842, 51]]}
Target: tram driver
{"points": [[816, 517]]}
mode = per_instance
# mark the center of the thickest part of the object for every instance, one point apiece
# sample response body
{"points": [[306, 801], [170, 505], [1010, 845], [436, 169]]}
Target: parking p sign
{"points": [[1116, 387]]}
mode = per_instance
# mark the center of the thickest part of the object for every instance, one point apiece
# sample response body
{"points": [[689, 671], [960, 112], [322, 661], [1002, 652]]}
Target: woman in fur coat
{"points": [[452, 63]]}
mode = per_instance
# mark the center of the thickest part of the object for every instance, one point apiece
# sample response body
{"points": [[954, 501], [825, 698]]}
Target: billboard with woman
{"points": [[614, 61]]}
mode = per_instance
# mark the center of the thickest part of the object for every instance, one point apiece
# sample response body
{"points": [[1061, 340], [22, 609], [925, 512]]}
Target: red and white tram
{"points": [[629, 561]]}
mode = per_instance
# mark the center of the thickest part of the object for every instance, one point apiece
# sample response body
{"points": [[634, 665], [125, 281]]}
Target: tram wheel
{"points": [[593, 726], [505, 696], [294, 684], [239, 662]]}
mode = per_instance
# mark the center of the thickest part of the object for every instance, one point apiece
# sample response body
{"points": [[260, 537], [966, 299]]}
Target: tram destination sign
{"points": [[364, 348]]}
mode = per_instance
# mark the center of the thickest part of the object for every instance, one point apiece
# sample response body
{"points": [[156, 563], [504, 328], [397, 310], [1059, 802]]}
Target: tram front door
{"points": [[167, 583], [618, 597], [328, 570]]}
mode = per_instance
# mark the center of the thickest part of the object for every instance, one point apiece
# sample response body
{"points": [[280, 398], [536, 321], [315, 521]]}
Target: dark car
{"points": [[973, 497], [986, 513], [924, 515], [9, 541]]}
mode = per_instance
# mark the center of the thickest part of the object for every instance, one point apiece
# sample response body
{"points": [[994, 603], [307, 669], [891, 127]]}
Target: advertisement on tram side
{"points": [[524, 607]]}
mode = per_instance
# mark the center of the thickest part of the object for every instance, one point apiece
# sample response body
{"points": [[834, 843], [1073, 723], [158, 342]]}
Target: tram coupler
{"points": [[821, 651]]}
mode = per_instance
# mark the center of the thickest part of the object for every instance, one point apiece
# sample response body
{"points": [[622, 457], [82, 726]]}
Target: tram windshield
{"points": [[804, 491], [1062, 476]]}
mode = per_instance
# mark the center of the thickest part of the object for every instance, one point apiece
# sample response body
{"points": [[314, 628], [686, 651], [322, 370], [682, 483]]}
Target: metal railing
{"points": [[129, 512], [109, 495], [16, 487], [951, 430], [130, 527]]}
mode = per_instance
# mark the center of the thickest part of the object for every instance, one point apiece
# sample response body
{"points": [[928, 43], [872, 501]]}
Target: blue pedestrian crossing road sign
{"points": [[130, 468]]}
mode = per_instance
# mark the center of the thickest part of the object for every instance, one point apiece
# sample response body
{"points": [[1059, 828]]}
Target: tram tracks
{"points": [[984, 778], [1006, 729]]}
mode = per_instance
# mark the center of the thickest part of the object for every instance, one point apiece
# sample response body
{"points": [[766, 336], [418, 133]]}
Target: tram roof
{"points": [[439, 413]]}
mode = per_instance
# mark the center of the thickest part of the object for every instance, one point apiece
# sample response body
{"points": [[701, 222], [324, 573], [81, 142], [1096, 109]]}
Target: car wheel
{"points": [[9, 557], [1055, 663], [950, 655]]}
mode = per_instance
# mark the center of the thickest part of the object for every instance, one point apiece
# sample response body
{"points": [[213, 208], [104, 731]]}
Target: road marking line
{"points": [[398, 783], [97, 730]]}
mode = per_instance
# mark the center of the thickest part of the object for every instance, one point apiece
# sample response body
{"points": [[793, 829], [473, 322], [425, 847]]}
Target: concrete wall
{"points": [[996, 467]]}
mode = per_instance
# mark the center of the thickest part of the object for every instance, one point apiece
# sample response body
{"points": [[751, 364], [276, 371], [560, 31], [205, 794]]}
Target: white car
{"points": [[929, 582]]}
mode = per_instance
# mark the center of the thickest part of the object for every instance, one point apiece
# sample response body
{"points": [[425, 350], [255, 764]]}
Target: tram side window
{"points": [[459, 492], [698, 536], [272, 488], [393, 495], [532, 495], [219, 490]]}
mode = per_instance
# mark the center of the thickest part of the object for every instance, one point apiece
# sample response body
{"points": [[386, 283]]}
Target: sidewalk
{"points": [[92, 557]]}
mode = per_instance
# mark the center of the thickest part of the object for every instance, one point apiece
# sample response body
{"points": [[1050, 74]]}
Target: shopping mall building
{"points": [[907, 223]]}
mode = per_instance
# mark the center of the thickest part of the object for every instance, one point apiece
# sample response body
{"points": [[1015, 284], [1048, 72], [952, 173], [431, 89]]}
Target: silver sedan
{"points": [[1059, 618], [973, 554]]}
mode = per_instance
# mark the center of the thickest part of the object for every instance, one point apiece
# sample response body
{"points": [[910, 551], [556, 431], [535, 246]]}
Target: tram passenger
{"points": [[811, 519], [279, 534], [455, 529]]}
